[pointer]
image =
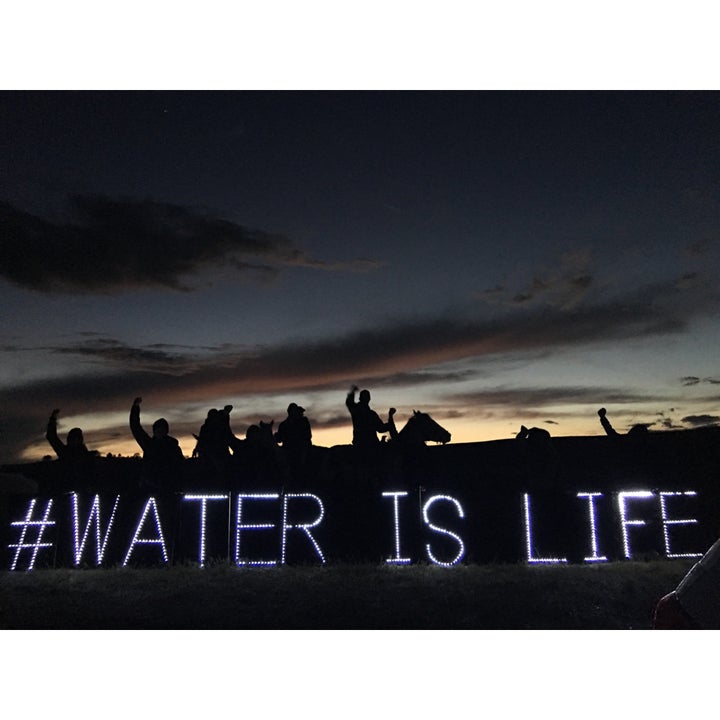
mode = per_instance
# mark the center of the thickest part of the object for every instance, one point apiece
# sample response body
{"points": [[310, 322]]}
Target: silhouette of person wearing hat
{"points": [[295, 436]]}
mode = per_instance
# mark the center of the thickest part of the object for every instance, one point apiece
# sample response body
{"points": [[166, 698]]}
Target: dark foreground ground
{"points": [[618, 595]]}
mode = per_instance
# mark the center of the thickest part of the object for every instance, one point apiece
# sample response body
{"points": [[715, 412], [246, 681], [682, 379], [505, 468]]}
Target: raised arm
{"points": [[388, 426], [142, 438], [51, 434], [609, 429], [391, 424]]}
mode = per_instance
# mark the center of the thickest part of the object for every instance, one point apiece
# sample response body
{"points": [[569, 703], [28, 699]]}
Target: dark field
{"points": [[618, 595]]}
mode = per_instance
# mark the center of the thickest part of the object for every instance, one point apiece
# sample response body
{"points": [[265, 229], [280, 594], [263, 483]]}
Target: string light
{"points": [[91, 533], [666, 522], [624, 522], [529, 540], [397, 560], [137, 540], [593, 529], [304, 527], [21, 545], [443, 531], [203, 519], [93, 517], [239, 525]]}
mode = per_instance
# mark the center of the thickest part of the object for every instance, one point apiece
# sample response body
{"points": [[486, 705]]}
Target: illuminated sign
{"points": [[274, 529]]}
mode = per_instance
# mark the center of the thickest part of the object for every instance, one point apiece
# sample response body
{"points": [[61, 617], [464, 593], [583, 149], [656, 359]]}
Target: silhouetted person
{"points": [[295, 436], [75, 447], [638, 430], [366, 422], [215, 441], [257, 454], [367, 449], [74, 456], [162, 456]]}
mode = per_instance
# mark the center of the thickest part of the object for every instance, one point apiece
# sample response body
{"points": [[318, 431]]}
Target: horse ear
{"points": [[415, 412]]}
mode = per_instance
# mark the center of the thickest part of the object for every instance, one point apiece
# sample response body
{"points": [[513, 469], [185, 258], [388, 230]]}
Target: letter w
{"points": [[93, 518]]}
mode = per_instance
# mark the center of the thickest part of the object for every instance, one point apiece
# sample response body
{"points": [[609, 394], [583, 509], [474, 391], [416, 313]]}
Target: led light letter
{"points": [[27, 523], [666, 522], [397, 559], [137, 540], [593, 530], [203, 519], [624, 522], [443, 531], [529, 540], [93, 516], [305, 528], [240, 526]]}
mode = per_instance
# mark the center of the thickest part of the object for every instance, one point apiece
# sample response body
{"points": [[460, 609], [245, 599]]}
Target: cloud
{"points": [[534, 397], [563, 286], [694, 380], [107, 245], [701, 420], [403, 352]]}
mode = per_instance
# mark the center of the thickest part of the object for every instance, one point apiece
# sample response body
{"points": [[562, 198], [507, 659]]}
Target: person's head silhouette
{"points": [[294, 410], [160, 428], [75, 438], [364, 397]]}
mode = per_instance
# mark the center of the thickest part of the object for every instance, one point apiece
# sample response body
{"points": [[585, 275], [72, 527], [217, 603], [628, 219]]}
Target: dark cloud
{"points": [[701, 420], [402, 350], [699, 247], [108, 351], [689, 380], [711, 381], [563, 286], [107, 245], [533, 397]]}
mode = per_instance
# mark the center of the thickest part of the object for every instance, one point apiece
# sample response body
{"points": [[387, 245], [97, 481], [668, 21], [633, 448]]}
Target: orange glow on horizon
{"points": [[463, 430]]}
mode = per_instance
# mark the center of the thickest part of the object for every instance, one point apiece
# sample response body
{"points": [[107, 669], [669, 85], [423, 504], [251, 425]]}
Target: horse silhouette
{"points": [[419, 429], [534, 435]]}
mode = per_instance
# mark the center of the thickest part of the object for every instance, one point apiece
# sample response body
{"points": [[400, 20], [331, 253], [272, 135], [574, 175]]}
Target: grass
{"points": [[619, 595]]}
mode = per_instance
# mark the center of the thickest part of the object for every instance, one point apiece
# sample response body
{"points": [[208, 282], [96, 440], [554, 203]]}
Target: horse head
{"points": [[421, 428], [534, 435]]}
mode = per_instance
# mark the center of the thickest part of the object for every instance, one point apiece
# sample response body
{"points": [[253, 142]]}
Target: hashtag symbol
{"points": [[28, 522]]}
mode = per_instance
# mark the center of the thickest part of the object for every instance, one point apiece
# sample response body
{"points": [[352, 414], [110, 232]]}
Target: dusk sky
{"points": [[492, 258]]}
